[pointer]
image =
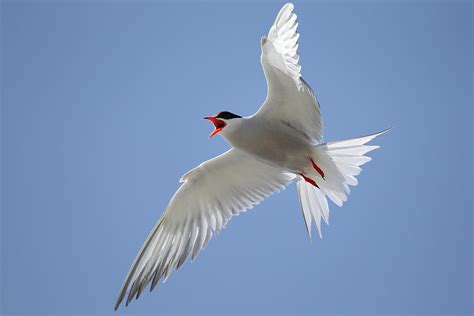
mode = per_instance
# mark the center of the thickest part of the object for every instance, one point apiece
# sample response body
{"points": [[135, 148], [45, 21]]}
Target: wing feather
{"points": [[290, 100], [210, 195]]}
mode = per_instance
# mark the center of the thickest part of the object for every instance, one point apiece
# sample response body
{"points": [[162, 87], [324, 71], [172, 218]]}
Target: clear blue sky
{"points": [[101, 114]]}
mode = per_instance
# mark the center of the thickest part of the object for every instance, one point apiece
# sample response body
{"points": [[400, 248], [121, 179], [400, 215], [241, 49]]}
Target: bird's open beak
{"points": [[218, 124]]}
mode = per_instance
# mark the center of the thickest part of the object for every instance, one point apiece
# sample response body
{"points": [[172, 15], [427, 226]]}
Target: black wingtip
{"points": [[117, 303], [120, 298]]}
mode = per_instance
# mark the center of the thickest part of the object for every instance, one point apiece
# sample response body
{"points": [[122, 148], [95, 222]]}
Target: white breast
{"points": [[272, 141]]}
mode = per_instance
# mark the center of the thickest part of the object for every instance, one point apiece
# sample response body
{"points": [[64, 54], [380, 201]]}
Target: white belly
{"points": [[272, 142]]}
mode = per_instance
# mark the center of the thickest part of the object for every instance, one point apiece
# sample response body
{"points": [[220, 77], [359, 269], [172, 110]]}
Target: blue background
{"points": [[101, 114]]}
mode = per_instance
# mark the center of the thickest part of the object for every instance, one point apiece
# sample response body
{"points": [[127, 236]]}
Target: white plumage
{"points": [[279, 143], [283, 44], [209, 196]]}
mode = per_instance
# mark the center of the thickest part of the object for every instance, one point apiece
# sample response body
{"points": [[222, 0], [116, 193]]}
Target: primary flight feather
{"points": [[280, 143]]}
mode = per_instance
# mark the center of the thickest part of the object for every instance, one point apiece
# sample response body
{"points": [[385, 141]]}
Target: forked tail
{"points": [[332, 168]]}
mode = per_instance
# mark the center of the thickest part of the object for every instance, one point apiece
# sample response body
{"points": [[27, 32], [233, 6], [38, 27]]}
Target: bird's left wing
{"points": [[210, 194], [290, 100]]}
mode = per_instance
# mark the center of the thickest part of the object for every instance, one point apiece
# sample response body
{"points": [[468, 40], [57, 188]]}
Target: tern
{"points": [[281, 143]]}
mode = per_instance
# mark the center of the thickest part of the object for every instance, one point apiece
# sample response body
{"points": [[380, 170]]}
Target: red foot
{"points": [[315, 166], [309, 180]]}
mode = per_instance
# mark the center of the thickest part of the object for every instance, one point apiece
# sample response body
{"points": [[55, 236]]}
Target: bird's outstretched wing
{"points": [[210, 194], [290, 100]]}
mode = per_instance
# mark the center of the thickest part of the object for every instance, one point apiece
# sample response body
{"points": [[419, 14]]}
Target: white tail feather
{"points": [[340, 161]]}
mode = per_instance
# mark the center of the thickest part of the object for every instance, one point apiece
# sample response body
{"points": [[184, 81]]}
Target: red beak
{"points": [[218, 124]]}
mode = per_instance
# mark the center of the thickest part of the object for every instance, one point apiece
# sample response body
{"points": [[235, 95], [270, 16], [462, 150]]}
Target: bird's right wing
{"points": [[210, 194], [290, 100]]}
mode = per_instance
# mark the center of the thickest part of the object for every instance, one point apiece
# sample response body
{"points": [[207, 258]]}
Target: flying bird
{"points": [[281, 143]]}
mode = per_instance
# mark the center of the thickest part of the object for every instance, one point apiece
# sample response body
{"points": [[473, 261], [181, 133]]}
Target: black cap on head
{"points": [[227, 115]]}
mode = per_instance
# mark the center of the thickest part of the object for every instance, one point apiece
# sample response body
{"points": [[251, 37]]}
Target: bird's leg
{"points": [[316, 167], [309, 180]]}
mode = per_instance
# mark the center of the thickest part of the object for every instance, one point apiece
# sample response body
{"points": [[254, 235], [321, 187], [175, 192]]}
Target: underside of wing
{"points": [[290, 100], [210, 195], [281, 47]]}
